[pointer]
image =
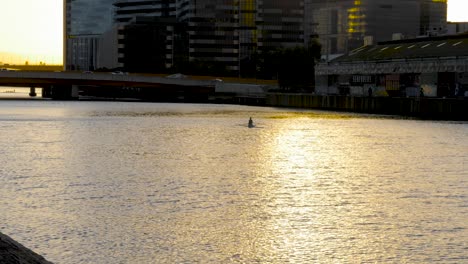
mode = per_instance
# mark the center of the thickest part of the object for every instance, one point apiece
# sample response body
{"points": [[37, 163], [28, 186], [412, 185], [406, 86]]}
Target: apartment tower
{"points": [[84, 22]]}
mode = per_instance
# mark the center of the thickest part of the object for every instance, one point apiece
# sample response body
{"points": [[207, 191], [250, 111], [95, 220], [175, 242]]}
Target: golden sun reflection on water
{"points": [[330, 192], [135, 183]]}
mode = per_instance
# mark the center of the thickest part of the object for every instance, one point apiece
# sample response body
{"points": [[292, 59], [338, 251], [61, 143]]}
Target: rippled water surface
{"points": [[102, 182]]}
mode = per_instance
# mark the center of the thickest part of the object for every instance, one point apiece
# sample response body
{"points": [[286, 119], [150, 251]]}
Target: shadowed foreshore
{"points": [[417, 107], [12, 252]]}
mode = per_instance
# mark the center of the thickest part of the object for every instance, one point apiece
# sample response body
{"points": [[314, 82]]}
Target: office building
{"points": [[330, 22], [227, 33], [152, 44], [280, 23], [146, 34], [433, 18], [457, 28], [212, 31], [343, 25], [222, 35], [126, 10], [84, 22]]}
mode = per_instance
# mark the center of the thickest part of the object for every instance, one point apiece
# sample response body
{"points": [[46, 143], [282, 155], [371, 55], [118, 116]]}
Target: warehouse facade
{"points": [[433, 66]]}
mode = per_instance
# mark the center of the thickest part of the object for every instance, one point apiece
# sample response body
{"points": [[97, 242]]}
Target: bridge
{"points": [[68, 85]]}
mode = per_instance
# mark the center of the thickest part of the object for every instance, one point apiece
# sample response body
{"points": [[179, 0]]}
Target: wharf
{"points": [[418, 107]]}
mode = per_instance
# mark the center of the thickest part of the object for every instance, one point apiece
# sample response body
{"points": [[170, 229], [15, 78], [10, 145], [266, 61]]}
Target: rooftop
{"points": [[419, 48]]}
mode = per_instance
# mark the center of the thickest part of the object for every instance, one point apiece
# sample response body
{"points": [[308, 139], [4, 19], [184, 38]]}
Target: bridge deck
{"points": [[44, 79]]}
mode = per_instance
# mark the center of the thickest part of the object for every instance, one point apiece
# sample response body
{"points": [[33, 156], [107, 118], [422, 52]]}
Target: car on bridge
{"points": [[119, 73]]}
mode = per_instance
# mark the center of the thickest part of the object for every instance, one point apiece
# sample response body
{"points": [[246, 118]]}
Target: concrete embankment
{"points": [[425, 107], [12, 252]]}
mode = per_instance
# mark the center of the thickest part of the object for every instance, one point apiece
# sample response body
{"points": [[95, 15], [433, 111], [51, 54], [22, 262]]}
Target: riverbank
{"points": [[417, 107], [425, 107], [12, 252]]}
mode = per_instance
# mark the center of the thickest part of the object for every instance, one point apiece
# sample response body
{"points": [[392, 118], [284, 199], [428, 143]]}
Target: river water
{"points": [[115, 182]]}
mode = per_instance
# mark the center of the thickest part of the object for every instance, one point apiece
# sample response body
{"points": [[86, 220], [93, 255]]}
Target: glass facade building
{"points": [[213, 31], [343, 25], [433, 17], [229, 32], [84, 22], [280, 23], [126, 10], [334, 23]]}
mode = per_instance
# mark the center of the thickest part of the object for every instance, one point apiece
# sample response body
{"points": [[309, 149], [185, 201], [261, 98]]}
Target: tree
{"points": [[293, 67], [296, 68]]}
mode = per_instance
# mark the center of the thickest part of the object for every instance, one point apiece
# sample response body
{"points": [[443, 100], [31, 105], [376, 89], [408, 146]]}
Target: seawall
{"points": [[420, 107], [12, 252]]}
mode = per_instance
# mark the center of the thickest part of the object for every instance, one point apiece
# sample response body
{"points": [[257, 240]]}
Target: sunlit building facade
{"points": [[248, 33], [84, 22]]}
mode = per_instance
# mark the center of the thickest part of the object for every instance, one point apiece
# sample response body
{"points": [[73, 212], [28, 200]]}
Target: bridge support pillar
{"points": [[47, 92], [61, 92], [32, 92], [74, 93]]}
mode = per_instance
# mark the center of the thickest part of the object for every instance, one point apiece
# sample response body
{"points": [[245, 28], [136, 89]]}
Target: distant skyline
{"points": [[32, 30]]}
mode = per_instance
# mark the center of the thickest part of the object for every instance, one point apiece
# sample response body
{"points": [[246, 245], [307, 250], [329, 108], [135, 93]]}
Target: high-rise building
{"points": [[151, 44], [433, 19], [84, 22], [126, 10], [146, 34], [230, 32], [330, 22], [227, 33], [384, 18], [280, 23], [219, 33], [342, 25], [213, 31]]}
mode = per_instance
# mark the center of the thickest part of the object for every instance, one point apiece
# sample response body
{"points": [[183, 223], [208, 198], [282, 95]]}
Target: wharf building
{"points": [[429, 67]]}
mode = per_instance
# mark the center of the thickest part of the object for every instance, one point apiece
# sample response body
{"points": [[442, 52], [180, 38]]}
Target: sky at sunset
{"points": [[31, 30]]}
